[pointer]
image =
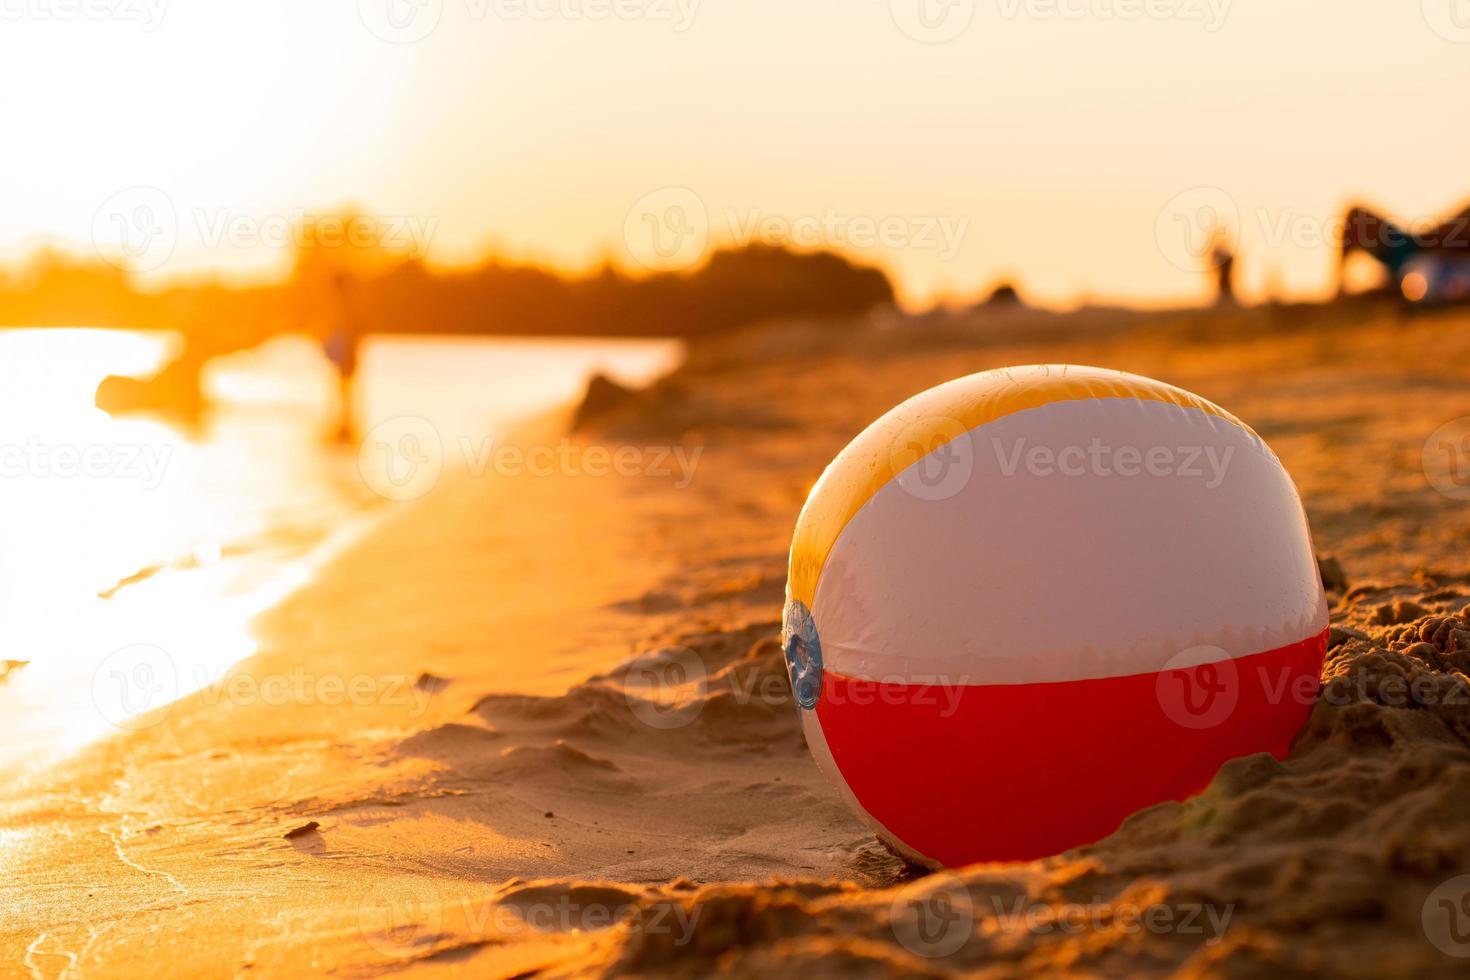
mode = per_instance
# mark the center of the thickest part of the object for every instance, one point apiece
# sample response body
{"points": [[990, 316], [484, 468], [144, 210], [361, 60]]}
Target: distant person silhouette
{"points": [[340, 345], [1222, 261]]}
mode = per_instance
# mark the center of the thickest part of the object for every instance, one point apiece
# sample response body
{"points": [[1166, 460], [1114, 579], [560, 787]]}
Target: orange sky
{"points": [[1059, 141]]}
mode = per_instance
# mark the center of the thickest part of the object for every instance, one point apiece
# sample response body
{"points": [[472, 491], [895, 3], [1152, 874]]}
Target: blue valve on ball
{"points": [[803, 654]]}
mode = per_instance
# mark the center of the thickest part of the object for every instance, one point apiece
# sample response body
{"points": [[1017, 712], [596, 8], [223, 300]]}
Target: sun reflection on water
{"points": [[119, 531], [121, 535]]}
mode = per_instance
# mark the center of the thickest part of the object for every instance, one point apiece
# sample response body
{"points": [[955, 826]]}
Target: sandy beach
{"points": [[540, 724], [651, 488]]}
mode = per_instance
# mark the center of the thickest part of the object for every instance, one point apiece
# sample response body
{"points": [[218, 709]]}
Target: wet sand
{"points": [[541, 723]]}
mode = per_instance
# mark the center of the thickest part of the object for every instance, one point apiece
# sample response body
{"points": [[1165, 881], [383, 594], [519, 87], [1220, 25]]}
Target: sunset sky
{"points": [[1049, 140]]}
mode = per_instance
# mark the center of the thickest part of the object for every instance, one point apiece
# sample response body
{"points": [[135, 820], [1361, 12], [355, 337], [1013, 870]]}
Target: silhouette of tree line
{"points": [[394, 294]]}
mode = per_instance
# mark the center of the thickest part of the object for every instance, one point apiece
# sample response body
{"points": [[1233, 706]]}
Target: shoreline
{"points": [[245, 576]]}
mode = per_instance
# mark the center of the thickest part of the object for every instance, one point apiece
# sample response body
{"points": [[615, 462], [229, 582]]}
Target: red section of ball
{"points": [[962, 774]]}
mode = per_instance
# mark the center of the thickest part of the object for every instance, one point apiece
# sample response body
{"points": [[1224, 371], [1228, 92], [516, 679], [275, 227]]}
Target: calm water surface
{"points": [[123, 531]]}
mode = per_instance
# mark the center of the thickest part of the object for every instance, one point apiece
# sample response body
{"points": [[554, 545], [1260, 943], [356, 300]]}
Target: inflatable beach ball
{"points": [[1030, 602]]}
